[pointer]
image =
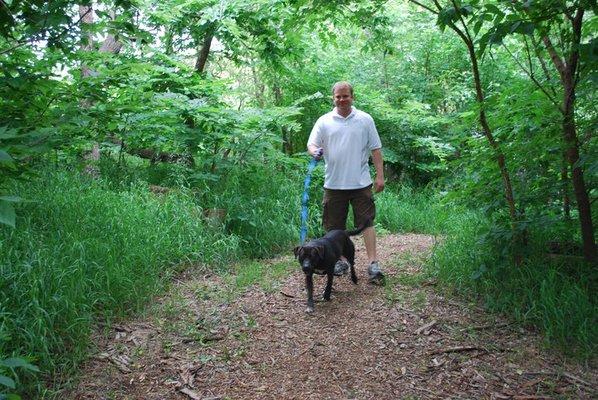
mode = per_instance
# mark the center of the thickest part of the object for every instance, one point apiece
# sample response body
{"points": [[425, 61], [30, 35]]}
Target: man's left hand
{"points": [[378, 184]]}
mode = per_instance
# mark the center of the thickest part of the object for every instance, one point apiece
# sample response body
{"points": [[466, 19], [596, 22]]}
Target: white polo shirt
{"points": [[347, 144]]}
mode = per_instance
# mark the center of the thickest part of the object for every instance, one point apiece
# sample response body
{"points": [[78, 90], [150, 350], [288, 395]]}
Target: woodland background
{"points": [[124, 123]]}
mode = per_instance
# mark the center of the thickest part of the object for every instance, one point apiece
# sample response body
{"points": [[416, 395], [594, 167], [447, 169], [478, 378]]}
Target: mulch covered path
{"points": [[402, 341]]}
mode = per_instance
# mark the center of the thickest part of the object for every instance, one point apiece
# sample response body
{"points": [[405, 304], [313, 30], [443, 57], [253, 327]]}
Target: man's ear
{"points": [[296, 251]]}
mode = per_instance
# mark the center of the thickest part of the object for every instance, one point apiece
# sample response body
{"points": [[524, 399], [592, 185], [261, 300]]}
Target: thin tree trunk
{"points": [[204, 52], [259, 88], [500, 157], [111, 45], [168, 41], [579, 186], [565, 184], [567, 71], [86, 15]]}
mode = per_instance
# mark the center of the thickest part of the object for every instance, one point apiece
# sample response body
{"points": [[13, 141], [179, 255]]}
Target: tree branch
{"points": [[543, 65], [30, 39], [556, 60], [462, 21], [423, 6], [533, 78]]}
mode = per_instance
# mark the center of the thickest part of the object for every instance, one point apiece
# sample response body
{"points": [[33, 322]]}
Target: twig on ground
{"points": [[426, 328], [567, 375], [458, 349], [190, 393], [482, 327]]}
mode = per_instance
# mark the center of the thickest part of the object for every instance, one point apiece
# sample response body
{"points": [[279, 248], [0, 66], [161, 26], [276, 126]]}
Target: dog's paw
{"points": [[309, 309]]}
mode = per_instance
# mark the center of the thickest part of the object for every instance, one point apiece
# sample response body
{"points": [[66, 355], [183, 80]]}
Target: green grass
{"points": [[472, 260], [83, 253], [88, 250], [94, 250], [540, 292], [413, 210]]}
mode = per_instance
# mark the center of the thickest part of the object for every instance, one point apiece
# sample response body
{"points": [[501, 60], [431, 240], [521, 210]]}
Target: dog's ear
{"points": [[320, 251], [296, 251]]}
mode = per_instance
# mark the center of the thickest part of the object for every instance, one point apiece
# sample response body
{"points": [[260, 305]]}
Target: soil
{"points": [[406, 340]]}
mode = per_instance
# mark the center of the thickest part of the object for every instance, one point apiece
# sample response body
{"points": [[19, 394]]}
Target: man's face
{"points": [[343, 99]]}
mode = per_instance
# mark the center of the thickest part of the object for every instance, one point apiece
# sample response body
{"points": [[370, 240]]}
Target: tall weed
{"points": [[413, 210], [82, 252], [554, 295]]}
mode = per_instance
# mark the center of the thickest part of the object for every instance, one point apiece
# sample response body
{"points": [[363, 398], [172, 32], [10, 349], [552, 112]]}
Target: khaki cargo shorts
{"points": [[335, 207]]}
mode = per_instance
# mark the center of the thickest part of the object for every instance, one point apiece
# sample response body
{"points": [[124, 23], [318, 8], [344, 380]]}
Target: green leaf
{"points": [[6, 381], [514, 26], [526, 28], [478, 26], [493, 9], [8, 133], [12, 199], [17, 362], [7, 213], [467, 9], [5, 157], [10, 396]]}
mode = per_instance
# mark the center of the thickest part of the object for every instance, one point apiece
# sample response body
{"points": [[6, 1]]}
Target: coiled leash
{"points": [[305, 198]]}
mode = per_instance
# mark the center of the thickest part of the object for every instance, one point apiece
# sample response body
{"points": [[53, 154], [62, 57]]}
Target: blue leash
{"points": [[305, 198]]}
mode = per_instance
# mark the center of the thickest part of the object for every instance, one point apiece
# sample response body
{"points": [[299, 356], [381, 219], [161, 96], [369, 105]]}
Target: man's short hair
{"points": [[341, 84]]}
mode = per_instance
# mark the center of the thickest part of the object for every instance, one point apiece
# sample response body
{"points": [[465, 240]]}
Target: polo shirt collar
{"points": [[337, 115]]}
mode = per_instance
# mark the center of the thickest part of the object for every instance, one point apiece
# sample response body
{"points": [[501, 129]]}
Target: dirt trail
{"points": [[402, 341]]}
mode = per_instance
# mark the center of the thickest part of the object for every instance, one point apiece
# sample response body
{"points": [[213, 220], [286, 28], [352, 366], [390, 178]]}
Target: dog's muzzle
{"points": [[306, 266]]}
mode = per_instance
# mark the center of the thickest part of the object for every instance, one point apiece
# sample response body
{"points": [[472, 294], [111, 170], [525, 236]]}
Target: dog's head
{"points": [[309, 257]]}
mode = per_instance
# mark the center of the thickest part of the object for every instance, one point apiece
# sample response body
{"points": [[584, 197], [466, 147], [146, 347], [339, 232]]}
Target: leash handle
{"points": [[305, 199]]}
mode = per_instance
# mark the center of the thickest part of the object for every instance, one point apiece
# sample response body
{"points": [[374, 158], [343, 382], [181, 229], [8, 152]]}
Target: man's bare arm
{"points": [[379, 166]]}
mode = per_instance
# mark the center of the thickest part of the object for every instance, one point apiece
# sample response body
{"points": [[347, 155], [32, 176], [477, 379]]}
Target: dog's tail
{"points": [[357, 231]]}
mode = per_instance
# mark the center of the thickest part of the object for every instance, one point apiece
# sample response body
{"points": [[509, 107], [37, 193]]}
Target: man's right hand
{"points": [[318, 153]]}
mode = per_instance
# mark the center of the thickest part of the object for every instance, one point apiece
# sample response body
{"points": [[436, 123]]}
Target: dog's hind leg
{"points": [[328, 289], [309, 284]]}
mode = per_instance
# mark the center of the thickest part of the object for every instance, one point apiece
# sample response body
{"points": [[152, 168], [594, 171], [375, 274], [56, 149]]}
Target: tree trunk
{"points": [[500, 157], [204, 52], [259, 89], [168, 41], [86, 15], [567, 71], [565, 183], [110, 44], [579, 186], [518, 239]]}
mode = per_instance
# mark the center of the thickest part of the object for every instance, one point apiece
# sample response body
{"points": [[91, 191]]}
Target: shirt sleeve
{"points": [[315, 136], [374, 141]]}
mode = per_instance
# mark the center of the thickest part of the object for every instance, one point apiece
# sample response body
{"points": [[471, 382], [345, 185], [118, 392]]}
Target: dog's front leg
{"points": [[353, 274], [309, 285], [328, 289]]}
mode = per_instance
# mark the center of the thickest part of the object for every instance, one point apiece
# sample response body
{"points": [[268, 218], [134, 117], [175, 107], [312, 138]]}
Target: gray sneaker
{"points": [[375, 273], [341, 268]]}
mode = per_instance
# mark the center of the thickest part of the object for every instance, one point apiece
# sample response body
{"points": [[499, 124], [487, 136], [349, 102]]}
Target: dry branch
{"points": [[426, 328], [458, 349]]}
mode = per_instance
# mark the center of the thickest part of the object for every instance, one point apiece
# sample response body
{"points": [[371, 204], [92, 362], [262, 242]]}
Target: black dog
{"points": [[319, 256]]}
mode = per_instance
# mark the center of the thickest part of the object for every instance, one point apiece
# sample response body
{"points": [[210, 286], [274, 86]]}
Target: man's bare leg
{"points": [[369, 239], [374, 272]]}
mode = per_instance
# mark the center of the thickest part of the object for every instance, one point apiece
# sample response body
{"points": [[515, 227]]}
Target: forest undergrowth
{"points": [[93, 251]]}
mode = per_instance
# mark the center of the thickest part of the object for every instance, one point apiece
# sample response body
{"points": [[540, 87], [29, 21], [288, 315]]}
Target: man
{"points": [[345, 137]]}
